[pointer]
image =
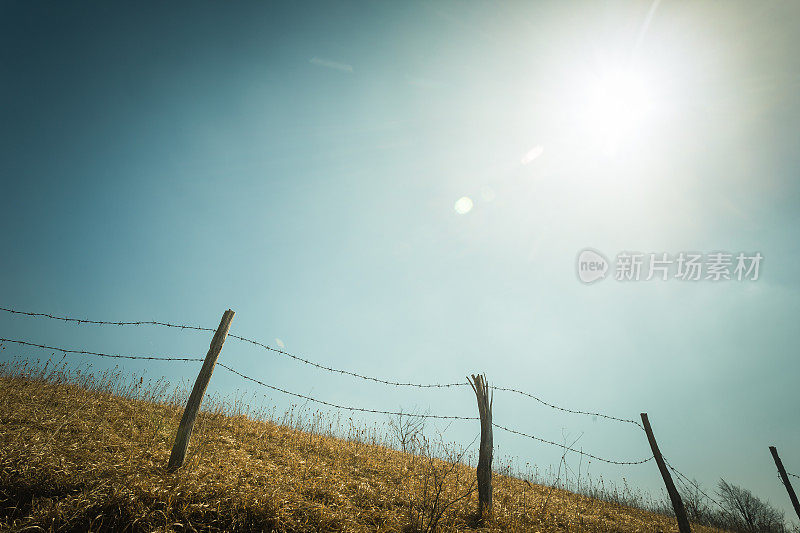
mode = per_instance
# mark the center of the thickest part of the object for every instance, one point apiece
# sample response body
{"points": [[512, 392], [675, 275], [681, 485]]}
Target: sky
{"points": [[402, 190]]}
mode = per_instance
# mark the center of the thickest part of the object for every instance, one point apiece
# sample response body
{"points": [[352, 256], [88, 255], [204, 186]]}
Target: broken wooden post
{"points": [[196, 397], [677, 503], [481, 388], [785, 478]]}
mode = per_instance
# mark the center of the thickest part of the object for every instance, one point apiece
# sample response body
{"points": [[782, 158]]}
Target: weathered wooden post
{"points": [[677, 503], [196, 397], [785, 478], [485, 400]]}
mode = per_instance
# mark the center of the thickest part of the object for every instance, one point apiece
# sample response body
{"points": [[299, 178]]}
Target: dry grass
{"points": [[82, 453]]}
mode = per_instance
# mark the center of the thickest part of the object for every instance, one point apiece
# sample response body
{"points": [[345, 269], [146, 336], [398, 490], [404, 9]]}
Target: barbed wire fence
{"points": [[683, 479], [317, 400], [99, 354], [686, 482], [299, 359], [573, 411], [313, 364]]}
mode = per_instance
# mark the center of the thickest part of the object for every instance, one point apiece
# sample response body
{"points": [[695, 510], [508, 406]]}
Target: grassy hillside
{"points": [[84, 453]]}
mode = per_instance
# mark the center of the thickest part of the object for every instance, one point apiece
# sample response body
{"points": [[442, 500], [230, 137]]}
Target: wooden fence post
{"points": [[677, 503], [196, 397], [785, 478], [481, 388]]}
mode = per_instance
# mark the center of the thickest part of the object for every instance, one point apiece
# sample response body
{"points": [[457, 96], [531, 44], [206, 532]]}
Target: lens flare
{"points": [[463, 205]]}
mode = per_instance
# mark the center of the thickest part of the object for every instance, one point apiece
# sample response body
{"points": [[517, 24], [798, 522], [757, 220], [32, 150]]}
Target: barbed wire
{"points": [[574, 411], [321, 366], [240, 338], [345, 407], [316, 400], [106, 322], [692, 483], [113, 356], [418, 415], [562, 446], [303, 396], [347, 372]]}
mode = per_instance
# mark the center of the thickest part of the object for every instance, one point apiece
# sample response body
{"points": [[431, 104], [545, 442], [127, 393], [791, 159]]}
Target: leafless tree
{"points": [[442, 479], [697, 505], [746, 512], [408, 428]]}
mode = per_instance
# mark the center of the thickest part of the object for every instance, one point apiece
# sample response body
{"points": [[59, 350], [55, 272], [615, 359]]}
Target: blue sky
{"points": [[300, 164]]}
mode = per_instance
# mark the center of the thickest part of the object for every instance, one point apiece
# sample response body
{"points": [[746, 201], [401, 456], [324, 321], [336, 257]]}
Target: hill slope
{"points": [[77, 459]]}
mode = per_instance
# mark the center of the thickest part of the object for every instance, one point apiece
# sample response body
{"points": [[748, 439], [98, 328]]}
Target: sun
{"points": [[614, 106]]}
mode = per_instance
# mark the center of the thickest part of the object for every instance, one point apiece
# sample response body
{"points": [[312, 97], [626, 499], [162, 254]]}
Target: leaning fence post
{"points": [[785, 478], [677, 503], [481, 388], [196, 397]]}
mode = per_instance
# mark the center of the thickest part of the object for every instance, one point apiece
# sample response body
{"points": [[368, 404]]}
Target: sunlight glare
{"points": [[616, 106]]}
